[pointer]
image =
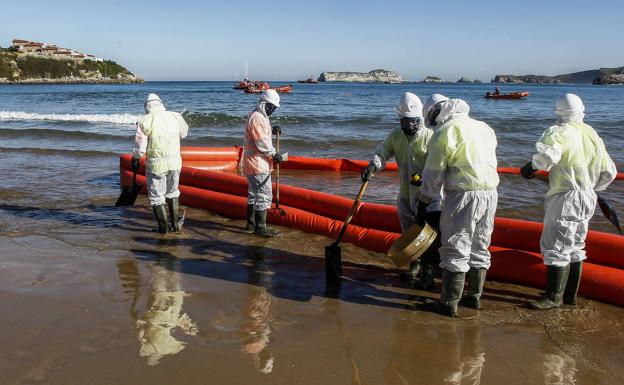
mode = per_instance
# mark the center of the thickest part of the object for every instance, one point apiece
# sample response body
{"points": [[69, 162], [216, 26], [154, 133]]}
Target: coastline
{"points": [[71, 81]]}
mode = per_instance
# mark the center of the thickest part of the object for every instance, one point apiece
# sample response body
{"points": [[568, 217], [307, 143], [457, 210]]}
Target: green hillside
{"points": [[15, 67]]}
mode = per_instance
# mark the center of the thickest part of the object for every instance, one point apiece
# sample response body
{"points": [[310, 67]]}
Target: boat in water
{"points": [[256, 90], [510, 95], [208, 180], [310, 80]]}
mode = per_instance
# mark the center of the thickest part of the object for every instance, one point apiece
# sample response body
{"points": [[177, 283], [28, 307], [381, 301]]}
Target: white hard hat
{"points": [[271, 96], [409, 106], [568, 105], [432, 101], [152, 97]]}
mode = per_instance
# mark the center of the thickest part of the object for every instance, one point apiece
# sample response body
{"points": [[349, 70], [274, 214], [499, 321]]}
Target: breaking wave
{"points": [[90, 118]]}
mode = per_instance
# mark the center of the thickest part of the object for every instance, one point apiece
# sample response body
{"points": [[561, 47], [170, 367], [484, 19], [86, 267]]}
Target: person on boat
{"points": [[158, 136], [257, 163], [408, 145], [461, 160], [497, 91], [578, 165]]}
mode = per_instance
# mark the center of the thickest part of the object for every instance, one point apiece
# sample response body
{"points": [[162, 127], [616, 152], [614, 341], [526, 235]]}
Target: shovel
{"points": [[609, 212], [333, 256], [129, 194], [282, 212]]}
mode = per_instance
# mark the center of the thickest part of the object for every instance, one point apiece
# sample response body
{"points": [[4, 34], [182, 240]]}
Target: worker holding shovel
{"points": [[578, 165], [408, 145], [257, 163]]}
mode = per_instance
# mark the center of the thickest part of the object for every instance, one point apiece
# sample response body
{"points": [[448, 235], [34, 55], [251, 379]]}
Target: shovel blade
{"points": [[128, 196], [609, 213], [333, 263]]}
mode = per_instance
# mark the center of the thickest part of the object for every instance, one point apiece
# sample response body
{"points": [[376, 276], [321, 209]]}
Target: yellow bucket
{"points": [[412, 244]]}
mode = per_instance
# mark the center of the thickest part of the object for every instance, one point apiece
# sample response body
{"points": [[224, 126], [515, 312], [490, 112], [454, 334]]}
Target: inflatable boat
{"points": [[511, 95], [208, 180]]}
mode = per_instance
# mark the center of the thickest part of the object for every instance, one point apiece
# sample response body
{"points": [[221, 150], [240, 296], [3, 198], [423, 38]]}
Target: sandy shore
{"points": [[94, 297]]}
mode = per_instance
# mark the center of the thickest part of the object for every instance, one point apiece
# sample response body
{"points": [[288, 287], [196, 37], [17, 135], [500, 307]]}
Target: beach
{"points": [[92, 296]]}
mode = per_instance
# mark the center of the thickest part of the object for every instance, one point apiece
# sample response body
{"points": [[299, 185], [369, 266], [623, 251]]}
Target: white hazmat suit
{"points": [[579, 165], [158, 136], [462, 158], [410, 154]]}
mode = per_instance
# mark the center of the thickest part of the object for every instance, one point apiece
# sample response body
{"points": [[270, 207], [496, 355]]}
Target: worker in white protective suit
{"points": [[579, 165], [408, 145], [158, 136], [462, 160], [257, 163]]}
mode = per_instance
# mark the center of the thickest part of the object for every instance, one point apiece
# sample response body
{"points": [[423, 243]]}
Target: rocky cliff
{"points": [[610, 79], [372, 76], [575, 77], [16, 68]]}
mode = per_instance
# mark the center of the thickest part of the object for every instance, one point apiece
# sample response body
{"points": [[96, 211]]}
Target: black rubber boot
{"points": [[261, 225], [426, 277], [476, 279], [411, 276], [452, 288], [556, 278], [251, 220], [160, 212], [574, 280], [173, 204]]}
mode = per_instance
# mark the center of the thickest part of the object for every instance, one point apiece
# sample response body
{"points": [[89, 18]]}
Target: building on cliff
{"points": [[27, 47]]}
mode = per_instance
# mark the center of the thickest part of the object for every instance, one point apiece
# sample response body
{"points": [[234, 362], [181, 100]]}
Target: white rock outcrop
{"points": [[378, 75]]}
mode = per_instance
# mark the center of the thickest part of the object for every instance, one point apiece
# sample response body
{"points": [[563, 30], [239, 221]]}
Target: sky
{"points": [[288, 40]]}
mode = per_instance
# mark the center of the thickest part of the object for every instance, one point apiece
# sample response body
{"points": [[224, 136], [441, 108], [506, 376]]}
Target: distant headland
{"points": [[598, 76], [29, 62]]}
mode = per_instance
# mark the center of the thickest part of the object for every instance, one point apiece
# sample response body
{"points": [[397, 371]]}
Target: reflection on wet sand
{"points": [[155, 326], [444, 353], [256, 329], [559, 369]]}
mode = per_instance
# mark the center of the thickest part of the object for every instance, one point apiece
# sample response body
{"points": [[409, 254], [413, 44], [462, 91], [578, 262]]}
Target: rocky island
{"points": [[378, 75], [28, 62], [434, 79], [598, 76]]}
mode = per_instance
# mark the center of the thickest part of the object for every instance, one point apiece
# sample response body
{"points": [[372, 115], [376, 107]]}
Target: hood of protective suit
{"points": [[261, 108], [452, 109], [153, 104], [409, 106], [432, 101], [569, 108]]}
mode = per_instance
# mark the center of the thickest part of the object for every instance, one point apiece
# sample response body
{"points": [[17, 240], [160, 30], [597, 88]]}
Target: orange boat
{"points": [[257, 90], [284, 89], [208, 181], [256, 87], [511, 95]]}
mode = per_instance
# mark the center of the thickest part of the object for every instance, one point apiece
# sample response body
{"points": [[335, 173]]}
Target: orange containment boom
{"points": [[515, 243]]}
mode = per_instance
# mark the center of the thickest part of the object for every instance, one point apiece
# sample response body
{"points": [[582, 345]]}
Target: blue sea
{"points": [[59, 144]]}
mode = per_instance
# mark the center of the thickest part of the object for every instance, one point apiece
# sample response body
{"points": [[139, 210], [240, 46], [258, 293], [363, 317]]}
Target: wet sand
{"points": [[90, 296]]}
